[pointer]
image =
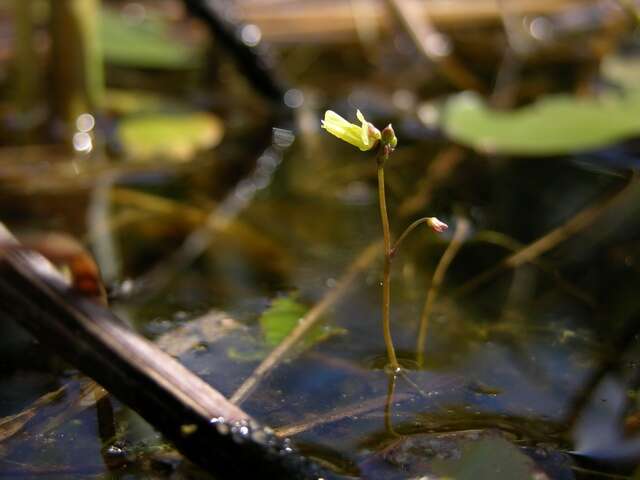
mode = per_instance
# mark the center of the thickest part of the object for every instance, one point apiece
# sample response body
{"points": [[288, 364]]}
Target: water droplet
{"points": [[82, 142], [293, 98], [251, 35], [85, 122]]}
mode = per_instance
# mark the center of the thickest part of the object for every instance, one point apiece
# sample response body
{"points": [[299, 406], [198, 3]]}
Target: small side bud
{"points": [[389, 137], [436, 225]]}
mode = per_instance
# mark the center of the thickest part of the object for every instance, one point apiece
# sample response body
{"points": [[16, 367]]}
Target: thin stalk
{"points": [[407, 231], [383, 155], [462, 228]]}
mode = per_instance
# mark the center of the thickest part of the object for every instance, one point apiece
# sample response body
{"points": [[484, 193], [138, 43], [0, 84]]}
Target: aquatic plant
{"points": [[367, 137]]}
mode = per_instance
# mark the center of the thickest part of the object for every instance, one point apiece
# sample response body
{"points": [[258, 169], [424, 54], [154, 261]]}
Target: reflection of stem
{"points": [[499, 239], [391, 387], [462, 228], [386, 278]]}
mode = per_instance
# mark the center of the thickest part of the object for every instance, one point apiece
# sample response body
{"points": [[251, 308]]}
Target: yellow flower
{"points": [[364, 137]]}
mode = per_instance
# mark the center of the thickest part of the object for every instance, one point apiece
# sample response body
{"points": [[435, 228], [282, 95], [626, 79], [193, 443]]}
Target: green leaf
{"points": [[143, 45], [283, 316], [129, 102], [173, 136], [555, 125]]}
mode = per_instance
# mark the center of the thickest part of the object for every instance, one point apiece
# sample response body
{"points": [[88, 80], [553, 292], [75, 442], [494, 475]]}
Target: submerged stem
{"points": [[383, 155], [391, 389]]}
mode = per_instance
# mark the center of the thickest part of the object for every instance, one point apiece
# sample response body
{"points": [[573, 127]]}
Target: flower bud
{"points": [[436, 225], [389, 136]]}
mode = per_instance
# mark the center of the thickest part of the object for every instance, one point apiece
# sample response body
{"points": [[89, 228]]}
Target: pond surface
{"points": [[519, 366]]}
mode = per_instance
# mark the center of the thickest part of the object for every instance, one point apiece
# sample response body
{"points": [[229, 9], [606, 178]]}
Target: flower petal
{"points": [[358, 136]]}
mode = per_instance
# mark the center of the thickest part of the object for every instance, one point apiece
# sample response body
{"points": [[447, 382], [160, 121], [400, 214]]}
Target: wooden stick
{"points": [[205, 426]]}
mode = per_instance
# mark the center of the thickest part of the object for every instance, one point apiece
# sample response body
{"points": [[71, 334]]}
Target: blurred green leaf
{"points": [[143, 45], [283, 316], [173, 136], [280, 318], [127, 102], [555, 125]]}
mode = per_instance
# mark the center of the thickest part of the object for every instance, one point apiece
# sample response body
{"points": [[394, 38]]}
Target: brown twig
{"points": [[577, 223], [502, 240], [307, 322], [317, 419]]}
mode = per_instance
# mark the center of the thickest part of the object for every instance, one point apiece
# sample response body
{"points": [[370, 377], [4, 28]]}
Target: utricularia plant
{"points": [[367, 137]]}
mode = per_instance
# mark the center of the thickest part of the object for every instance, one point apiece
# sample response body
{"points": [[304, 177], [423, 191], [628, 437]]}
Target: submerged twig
{"points": [[505, 241], [577, 223], [459, 235], [320, 419], [362, 261]]}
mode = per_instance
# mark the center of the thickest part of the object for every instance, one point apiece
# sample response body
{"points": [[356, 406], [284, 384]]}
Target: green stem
{"points": [[383, 155], [26, 67], [78, 75], [461, 231], [407, 231]]}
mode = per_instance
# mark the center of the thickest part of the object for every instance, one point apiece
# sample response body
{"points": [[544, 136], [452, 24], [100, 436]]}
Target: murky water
{"points": [[512, 356]]}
